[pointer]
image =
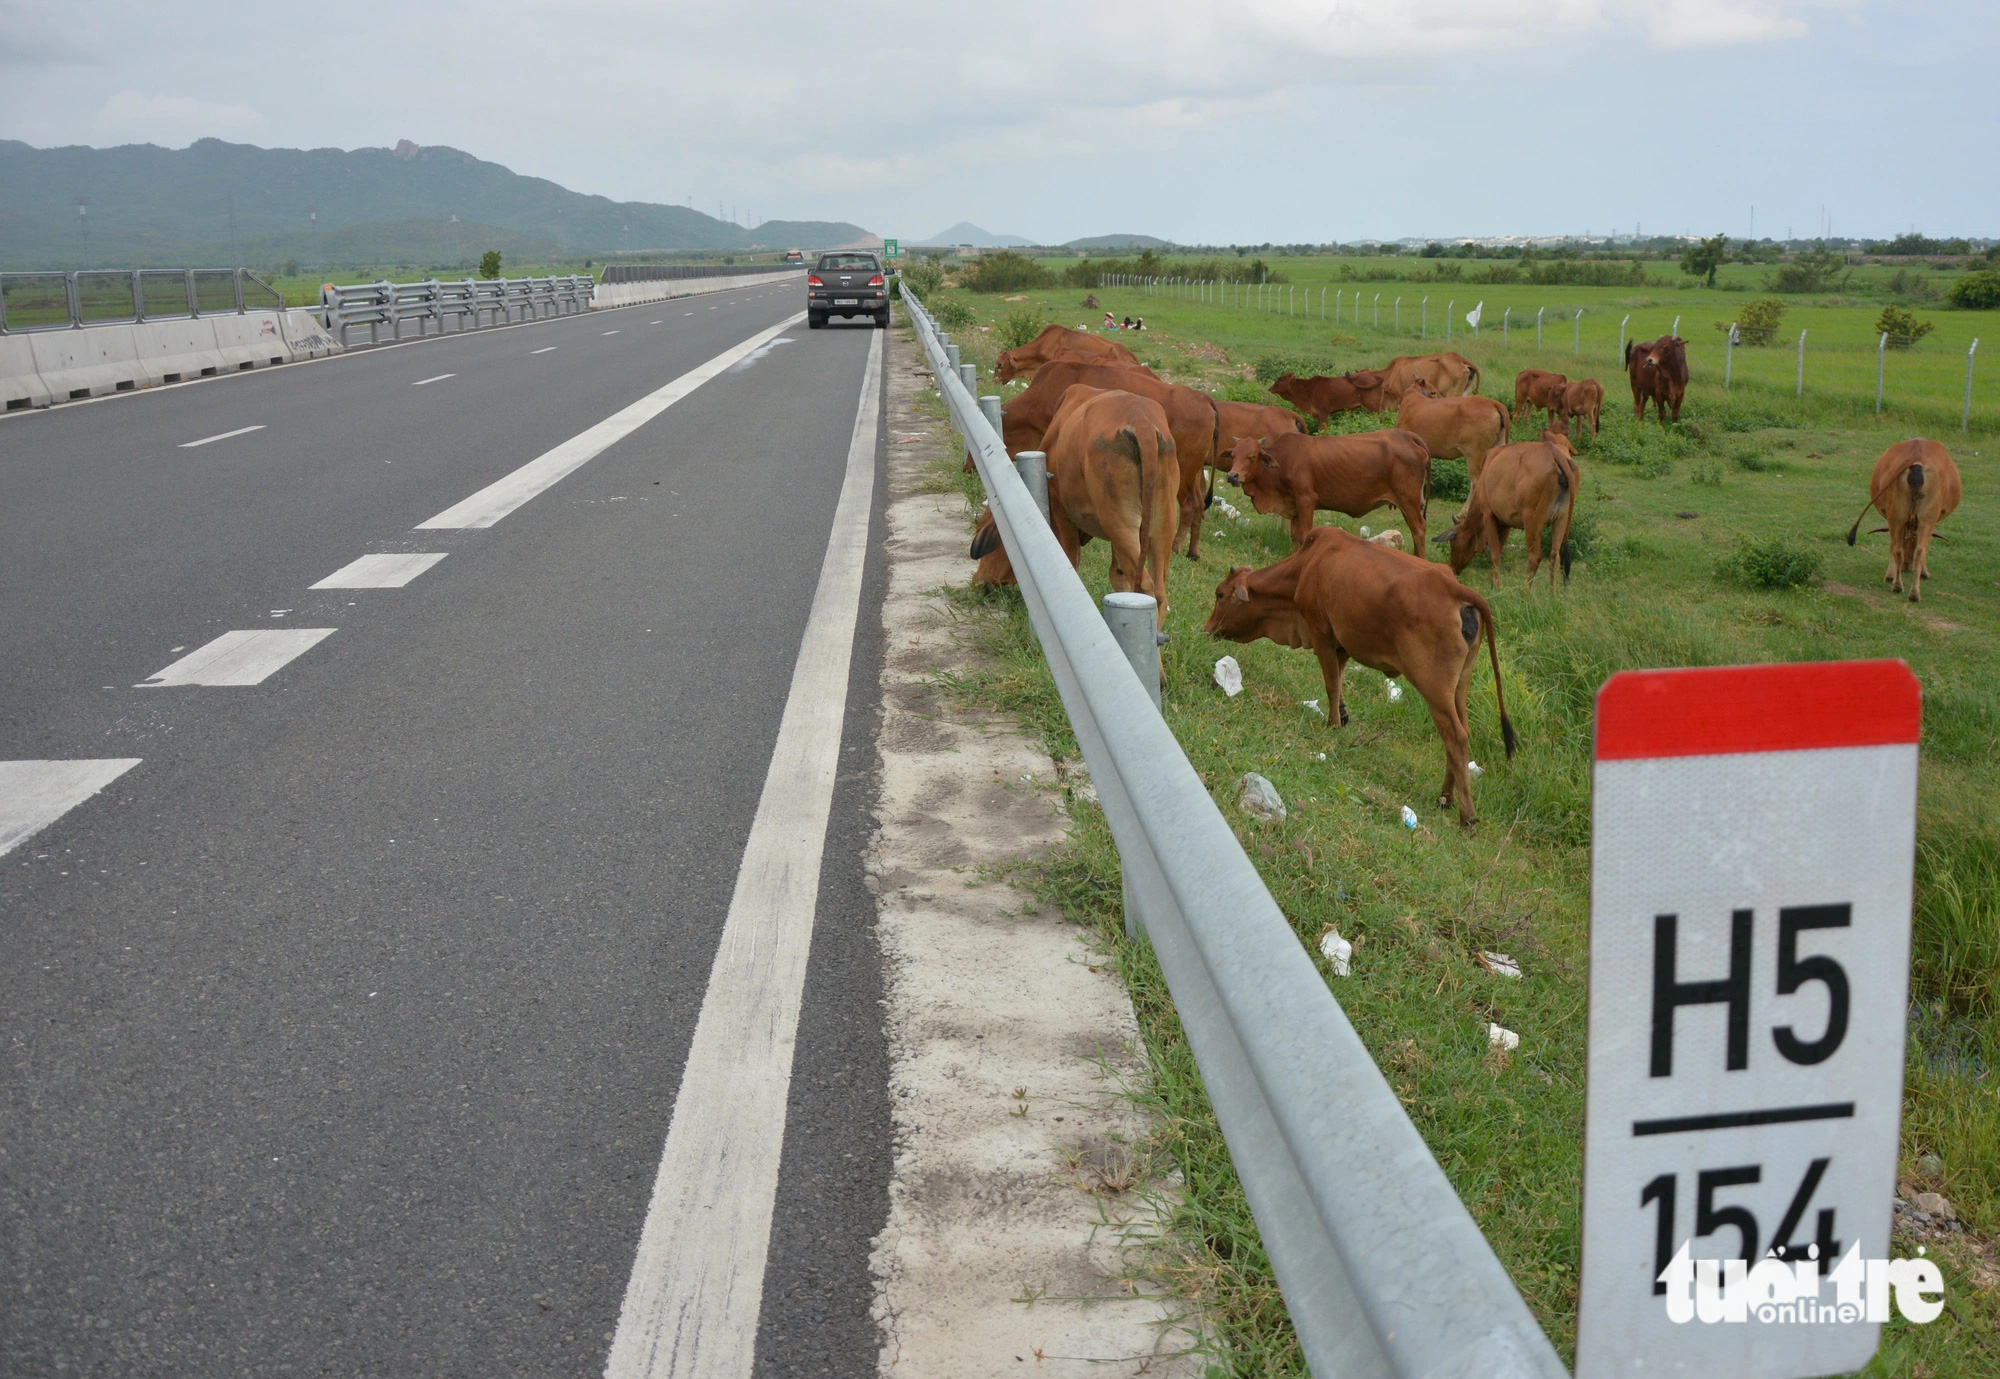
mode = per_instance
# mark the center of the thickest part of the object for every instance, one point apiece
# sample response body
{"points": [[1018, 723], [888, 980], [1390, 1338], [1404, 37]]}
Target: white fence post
{"points": [[1621, 336], [1677, 326], [1509, 311], [1424, 319], [1728, 356], [1399, 315], [1965, 416], [1801, 391], [1881, 353], [1538, 326], [1576, 347], [1450, 302]]}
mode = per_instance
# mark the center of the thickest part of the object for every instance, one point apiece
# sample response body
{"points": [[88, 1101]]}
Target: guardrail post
{"points": [[1033, 467], [951, 357], [968, 374], [1133, 621], [989, 407]]}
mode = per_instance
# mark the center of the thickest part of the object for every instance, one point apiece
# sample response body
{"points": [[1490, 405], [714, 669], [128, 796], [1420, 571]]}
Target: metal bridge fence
{"points": [[105, 296], [675, 272], [1383, 1270], [483, 301]]}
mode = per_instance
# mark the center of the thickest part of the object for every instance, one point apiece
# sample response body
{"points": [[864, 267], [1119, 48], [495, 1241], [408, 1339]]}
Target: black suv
{"points": [[847, 284]]}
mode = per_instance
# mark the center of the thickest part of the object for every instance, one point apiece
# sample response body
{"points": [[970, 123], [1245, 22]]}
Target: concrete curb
{"points": [[1016, 1232]]}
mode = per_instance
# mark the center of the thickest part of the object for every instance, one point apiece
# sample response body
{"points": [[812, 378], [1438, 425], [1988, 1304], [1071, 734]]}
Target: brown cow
{"points": [[1456, 426], [1581, 397], [1024, 360], [1659, 373], [1115, 474], [1320, 397], [1447, 375], [1296, 476], [994, 566], [1350, 599], [1525, 486], [1537, 388], [1191, 415], [1915, 486]]}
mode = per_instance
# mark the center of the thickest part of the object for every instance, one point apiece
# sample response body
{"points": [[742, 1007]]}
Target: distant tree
{"points": [[1902, 327], [1957, 246], [291, 268], [489, 264], [1433, 250], [1977, 291], [1703, 259]]}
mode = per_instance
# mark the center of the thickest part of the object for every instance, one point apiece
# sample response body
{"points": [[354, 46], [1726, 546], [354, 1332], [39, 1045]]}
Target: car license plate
{"points": [[847, 301]]}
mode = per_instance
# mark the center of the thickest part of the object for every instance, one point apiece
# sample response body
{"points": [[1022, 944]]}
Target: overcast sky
{"points": [[1279, 120]]}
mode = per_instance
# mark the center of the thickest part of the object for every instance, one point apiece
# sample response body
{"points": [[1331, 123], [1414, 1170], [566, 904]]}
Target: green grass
{"points": [[1664, 518]]}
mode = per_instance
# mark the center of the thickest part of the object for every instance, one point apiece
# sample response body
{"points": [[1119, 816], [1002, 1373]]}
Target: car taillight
{"points": [[876, 281], [812, 280]]}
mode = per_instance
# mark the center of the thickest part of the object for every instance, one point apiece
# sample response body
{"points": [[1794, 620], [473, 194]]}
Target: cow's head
{"points": [[1559, 439], [1242, 614], [1003, 368], [1462, 540]]}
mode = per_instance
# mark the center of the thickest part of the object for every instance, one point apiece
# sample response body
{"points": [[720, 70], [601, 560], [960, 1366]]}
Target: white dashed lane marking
{"points": [[434, 378], [545, 349], [240, 658], [34, 794], [538, 475], [391, 570], [209, 440], [610, 332]]}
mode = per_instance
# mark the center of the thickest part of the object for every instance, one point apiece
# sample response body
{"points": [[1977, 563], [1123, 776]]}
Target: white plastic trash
{"points": [[1229, 675], [1312, 704], [1474, 769], [1500, 965], [1364, 534], [1337, 951], [1499, 1038], [1409, 817], [1395, 691], [1259, 797]]}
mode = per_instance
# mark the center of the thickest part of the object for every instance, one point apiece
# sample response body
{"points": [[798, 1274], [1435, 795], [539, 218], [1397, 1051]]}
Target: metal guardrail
{"points": [[1384, 1271], [107, 296], [390, 304], [674, 272]]}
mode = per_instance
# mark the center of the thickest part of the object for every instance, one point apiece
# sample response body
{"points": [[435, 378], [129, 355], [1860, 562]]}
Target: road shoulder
{"points": [[1015, 1233]]}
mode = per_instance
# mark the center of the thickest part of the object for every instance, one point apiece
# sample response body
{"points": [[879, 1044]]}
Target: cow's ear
{"points": [[1242, 593]]}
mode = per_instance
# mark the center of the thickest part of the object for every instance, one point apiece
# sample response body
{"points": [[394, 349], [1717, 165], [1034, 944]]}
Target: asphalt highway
{"points": [[344, 1029]]}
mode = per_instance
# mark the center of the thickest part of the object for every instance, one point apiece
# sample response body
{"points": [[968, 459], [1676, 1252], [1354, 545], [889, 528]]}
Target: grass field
{"points": [[1662, 517]]}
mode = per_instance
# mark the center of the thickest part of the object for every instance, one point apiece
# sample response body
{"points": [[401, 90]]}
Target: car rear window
{"points": [[847, 261]]}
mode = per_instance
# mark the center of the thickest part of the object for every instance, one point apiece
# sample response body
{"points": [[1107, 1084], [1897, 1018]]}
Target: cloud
{"points": [[1729, 23], [136, 117]]}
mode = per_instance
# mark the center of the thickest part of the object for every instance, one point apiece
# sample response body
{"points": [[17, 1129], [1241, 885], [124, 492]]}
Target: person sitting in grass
{"points": [[1139, 324], [1109, 322], [1127, 325]]}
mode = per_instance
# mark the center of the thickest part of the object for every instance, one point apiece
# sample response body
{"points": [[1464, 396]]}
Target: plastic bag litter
{"points": [[1474, 769], [1312, 704], [1499, 1038], [1229, 675], [1395, 691], [1337, 951], [1409, 817], [1499, 964], [1364, 535], [1259, 797], [1228, 509]]}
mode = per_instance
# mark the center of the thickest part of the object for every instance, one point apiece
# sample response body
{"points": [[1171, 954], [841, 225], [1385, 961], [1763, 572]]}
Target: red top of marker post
{"points": [[1783, 708]]}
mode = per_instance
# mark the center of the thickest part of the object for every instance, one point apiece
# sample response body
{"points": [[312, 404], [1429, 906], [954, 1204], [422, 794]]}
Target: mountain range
{"points": [[965, 232], [221, 204]]}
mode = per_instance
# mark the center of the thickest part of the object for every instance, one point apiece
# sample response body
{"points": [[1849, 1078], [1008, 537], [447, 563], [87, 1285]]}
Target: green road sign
{"points": [[891, 250]]}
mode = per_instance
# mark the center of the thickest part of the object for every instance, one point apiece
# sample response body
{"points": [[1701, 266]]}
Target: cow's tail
{"points": [[1914, 476], [1493, 654], [1563, 551], [1628, 353], [1473, 369], [1214, 449], [1128, 443]]}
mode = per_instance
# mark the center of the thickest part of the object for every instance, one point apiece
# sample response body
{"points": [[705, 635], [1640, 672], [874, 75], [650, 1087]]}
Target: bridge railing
{"points": [[123, 296], [676, 272], [1383, 1269], [482, 301]]}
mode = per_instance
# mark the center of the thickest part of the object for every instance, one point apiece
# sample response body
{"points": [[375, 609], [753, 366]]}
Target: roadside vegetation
{"points": [[1718, 540]]}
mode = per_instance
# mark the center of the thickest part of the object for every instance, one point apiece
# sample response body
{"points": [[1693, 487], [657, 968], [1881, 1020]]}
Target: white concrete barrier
{"points": [[609, 295], [249, 341], [20, 382], [307, 338], [169, 351], [88, 362]]}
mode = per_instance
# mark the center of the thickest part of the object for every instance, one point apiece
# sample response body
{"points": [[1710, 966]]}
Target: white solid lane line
{"points": [[391, 570], [34, 794], [538, 475], [208, 440], [545, 349], [691, 1307], [240, 658], [435, 378]]}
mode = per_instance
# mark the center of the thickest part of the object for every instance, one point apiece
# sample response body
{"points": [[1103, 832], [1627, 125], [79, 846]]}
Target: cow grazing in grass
{"points": [[1296, 476], [1448, 375], [1915, 486], [1320, 397], [1023, 360], [1111, 455], [994, 567], [1191, 416], [1537, 388], [1523, 487], [1581, 398], [1658, 370], [1454, 427], [1345, 599]]}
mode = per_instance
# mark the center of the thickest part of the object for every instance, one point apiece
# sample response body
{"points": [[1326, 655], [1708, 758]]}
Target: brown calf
{"points": [[1349, 599], [1915, 486], [1023, 360], [1525, 486], [1320, 397], [1581, 397], [1455, 426], [1537, 388], [1296, 476], [1448, 375]]}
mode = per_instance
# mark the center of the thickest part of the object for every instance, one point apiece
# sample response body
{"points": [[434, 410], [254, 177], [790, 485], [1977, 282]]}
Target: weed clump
{"points": [[1005, 271], [1449, 481], [1270, 366], [1017, 328], [952, 314], [1707, 473], [1776, 562]]}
